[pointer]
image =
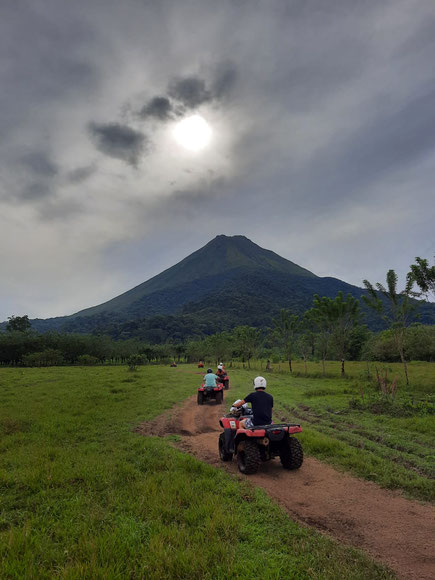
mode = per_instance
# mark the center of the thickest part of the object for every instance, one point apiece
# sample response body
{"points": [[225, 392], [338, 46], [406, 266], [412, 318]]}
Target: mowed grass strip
{"points": [[396, 452], [83, 496]]}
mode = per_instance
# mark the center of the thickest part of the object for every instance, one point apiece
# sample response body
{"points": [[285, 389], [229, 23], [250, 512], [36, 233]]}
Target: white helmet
{"points": [[219, 367], [260, 383], [221, 364]]}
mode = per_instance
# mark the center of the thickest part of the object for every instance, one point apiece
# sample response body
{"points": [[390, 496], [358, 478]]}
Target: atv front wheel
{"points": [[248, 458], [200, 398], [291, 454], [223, 454]]}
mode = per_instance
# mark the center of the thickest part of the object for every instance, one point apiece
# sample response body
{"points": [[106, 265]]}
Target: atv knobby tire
{"points": [[249, 458], [226, 385], [200, 398], [219, 398], [291, 454], [224, 455]]}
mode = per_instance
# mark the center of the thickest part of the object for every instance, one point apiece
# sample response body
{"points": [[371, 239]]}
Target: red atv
{"points": [[224, 380], [211, 393], [200, 365], [261, 443]]}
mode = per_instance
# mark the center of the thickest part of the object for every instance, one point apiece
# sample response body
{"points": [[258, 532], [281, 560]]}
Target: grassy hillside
{"points": [[83, 496]]}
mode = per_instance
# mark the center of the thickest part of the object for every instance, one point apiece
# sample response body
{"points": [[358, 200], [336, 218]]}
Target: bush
{"points": [[47, 358], [134, 360], [87, 360], [380, 405]]}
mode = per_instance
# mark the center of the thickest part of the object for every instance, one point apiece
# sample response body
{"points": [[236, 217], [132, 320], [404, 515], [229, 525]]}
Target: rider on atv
{"points": [[210, 379], [222, 376], [261, 403]]}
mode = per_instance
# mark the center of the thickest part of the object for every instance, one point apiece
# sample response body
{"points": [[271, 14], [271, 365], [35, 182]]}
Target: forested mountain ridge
{"points": [[228, 282]]}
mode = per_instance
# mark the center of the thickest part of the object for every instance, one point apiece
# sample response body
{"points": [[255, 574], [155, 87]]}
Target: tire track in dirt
{"points": [[392, 529]]}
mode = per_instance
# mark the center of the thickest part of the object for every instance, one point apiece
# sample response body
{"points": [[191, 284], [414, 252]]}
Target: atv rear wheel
{"points": [[220, 398], [226, 385], [291, 454], [248, 458], [200, 398], [223, 454]]}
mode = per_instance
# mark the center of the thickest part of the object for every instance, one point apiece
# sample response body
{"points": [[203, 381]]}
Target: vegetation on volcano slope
{"points": [[84, 496]]}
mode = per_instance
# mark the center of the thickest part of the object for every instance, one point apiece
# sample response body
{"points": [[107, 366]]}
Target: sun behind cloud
{"points": [[193, 133]]}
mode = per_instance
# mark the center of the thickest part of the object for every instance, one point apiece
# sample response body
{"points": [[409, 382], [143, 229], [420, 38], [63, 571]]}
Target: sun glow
{"points": [[193, 133]]}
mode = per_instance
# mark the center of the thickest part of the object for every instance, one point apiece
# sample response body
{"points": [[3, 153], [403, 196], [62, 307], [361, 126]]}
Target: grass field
{"points": [[83, 496], [349, 424]]}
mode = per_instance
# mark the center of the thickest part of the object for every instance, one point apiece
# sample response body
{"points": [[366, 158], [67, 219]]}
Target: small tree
{"points": [[134, 360], [345, 315], [284, 332], [399, 309], [423, 276], [319, 318], [219, 346], [246, 340], [336, 320]]}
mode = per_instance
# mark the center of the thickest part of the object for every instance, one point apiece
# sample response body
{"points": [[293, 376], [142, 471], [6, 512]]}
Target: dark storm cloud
{"points": [[190, 91], [39, 164], [224, 80], [119, 141], [36, 191], [80, 174], [158, 107]]}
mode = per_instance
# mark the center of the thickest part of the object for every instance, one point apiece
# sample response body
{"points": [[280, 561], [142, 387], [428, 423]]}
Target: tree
{"points": [[284, 332], [18, 324], [318, 317], [423, 276], [397, 314], [246, 340], [219, 346], [336, 320], [345, 316], [304, 346]]}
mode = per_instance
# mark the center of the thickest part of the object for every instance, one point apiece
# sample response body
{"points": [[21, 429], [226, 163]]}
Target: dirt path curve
{"points": [[393, 530]]}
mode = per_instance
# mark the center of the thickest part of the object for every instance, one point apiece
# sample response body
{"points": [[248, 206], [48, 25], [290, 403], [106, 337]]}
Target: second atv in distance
{"points": [[261, 443], [223, 377]]}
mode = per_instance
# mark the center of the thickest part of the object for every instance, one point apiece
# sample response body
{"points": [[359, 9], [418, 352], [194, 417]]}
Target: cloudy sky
{"points": [[322, 147]]}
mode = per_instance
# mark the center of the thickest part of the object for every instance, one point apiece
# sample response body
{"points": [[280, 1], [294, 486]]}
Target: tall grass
{"points": [[83, 496], [388, 442]]}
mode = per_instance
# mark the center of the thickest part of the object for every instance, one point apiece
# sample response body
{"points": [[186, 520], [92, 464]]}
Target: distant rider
{"points": [[221, 374], [210, 379], [261, 403]]}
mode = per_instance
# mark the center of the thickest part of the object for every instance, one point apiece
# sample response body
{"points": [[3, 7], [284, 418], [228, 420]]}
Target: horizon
{"points": [[170, 267]]}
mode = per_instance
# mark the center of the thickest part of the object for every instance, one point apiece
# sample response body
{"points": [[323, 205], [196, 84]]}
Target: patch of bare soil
{"points": [[394, 530]]}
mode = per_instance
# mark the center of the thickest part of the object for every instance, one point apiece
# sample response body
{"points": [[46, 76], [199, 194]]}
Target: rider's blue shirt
{"points": [[210, 380]]}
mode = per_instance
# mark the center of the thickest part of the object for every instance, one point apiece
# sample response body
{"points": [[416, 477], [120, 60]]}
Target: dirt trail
{"points": [[392, 529]]}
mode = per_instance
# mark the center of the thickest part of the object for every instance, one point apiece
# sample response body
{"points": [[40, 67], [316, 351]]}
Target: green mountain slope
{"points": [[228, 282], [221, 257]]}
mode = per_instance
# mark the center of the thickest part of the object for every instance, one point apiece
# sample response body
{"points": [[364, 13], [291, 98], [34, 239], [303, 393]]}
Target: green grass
{"points": [[83, 496], [394, 450]]}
